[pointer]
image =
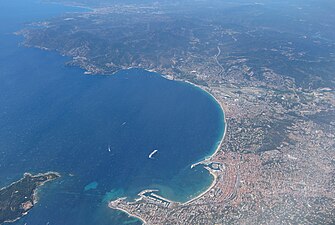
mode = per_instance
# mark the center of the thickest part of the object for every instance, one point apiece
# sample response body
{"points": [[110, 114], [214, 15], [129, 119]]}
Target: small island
{"points": [[19, 197]]}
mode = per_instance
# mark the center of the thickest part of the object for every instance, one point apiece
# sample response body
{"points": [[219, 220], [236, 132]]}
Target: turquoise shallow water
{"points": [[97, 131]]}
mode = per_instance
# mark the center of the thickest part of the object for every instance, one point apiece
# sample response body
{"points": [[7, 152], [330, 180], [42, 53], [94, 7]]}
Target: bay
{"points": [[97, 131]]}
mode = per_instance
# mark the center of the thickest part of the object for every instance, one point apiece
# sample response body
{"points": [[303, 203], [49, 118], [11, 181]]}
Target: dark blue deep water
{"points": [[54, 118]]}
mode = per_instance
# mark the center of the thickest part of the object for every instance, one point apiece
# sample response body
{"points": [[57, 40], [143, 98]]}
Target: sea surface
{"points": [[96, 131]]}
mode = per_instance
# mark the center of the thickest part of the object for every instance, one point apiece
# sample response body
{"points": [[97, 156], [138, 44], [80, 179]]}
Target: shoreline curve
{"points": [[204, 161], [210, 157]]}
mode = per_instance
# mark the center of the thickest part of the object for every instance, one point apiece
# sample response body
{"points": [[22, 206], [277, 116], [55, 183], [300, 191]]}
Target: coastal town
{"points": [[276, 162], [271, 163]]}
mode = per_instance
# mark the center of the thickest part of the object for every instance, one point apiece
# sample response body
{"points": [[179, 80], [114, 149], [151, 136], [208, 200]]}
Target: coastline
{"points": [[128, 213], [204, 161], [208, 158], [224, 120], [30, 174], [34, 198]]}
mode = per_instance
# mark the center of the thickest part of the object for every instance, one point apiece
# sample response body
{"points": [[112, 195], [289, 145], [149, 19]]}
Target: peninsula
{"points": [[17, 199]]}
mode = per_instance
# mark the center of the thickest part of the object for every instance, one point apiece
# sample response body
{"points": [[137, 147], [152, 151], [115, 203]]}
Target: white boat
{"points": [[152, 153]]}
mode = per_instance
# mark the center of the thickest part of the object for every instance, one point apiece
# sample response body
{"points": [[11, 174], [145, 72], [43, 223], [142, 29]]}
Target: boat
{"points": [[152, 153]]}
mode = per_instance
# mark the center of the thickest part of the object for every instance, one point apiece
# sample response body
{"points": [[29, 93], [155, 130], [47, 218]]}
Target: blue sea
{"points": [[96, 131]]}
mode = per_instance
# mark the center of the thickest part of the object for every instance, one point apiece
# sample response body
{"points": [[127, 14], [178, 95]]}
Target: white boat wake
{"points": [[152, 153]]}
